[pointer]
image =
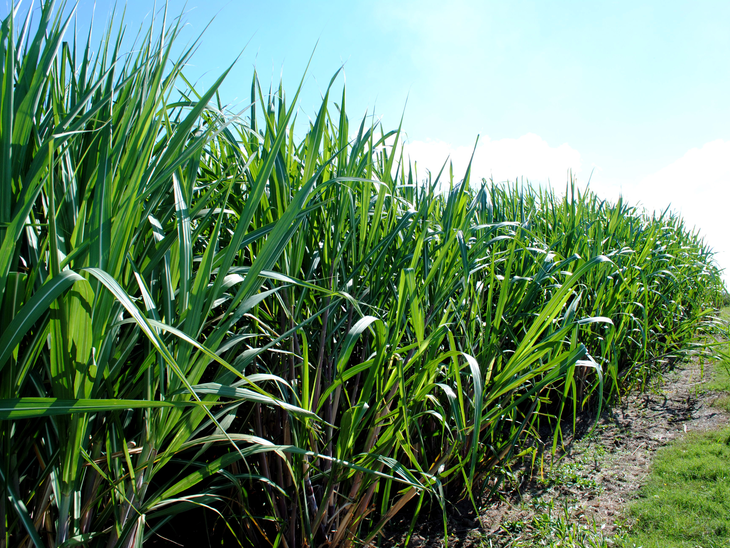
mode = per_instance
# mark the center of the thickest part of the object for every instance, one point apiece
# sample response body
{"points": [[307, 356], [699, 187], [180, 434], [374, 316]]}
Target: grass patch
{"points": [[720, 382], [569, 475], [723, 402], [552, 525], [720, 379], [686, 502]]}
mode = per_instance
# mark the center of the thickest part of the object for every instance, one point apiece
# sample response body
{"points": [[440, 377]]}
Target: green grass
{"points": [[554, 527], [686, 502], [720, 377], [720, 382], [723, 402]]}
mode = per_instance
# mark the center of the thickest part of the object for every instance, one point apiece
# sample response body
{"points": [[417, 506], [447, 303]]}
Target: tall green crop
{"points": [[212, 327], [106, 307]]}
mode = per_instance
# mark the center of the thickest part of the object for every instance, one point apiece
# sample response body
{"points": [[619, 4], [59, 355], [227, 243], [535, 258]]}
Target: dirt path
{"points": [[606, 469], [590, 485]]}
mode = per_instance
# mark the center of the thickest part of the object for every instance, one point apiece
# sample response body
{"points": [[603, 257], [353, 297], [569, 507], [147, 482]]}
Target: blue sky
{"points": [[636, 93]]}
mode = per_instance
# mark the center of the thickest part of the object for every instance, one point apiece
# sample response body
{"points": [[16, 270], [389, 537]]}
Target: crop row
{"points": [[211, 326]]}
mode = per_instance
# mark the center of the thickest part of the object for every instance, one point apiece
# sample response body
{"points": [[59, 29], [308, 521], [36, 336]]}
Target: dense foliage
{"points": [[212, 327]]}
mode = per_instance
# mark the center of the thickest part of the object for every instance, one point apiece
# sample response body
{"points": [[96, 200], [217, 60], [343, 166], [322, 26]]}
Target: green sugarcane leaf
{"points": [[25, 408], [249, 395], [36, 306], [21, 510]]}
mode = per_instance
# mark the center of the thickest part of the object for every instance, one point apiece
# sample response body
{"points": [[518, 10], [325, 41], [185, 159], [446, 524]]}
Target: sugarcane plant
{"points": [[213, 325]]}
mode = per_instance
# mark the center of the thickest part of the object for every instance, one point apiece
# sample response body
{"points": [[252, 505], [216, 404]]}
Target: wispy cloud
{"points": [[697, 186], [528, 157]]}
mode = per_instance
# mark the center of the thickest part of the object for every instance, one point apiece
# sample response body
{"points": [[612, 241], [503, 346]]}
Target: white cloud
{"points": [[698, 187], [528, 157], [694, 184]]}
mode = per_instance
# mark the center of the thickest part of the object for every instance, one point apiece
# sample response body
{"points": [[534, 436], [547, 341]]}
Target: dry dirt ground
{"points": [[592, 482]]}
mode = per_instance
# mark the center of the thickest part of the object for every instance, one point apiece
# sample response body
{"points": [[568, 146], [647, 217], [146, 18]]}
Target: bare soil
{"points": [[592, 481]]}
